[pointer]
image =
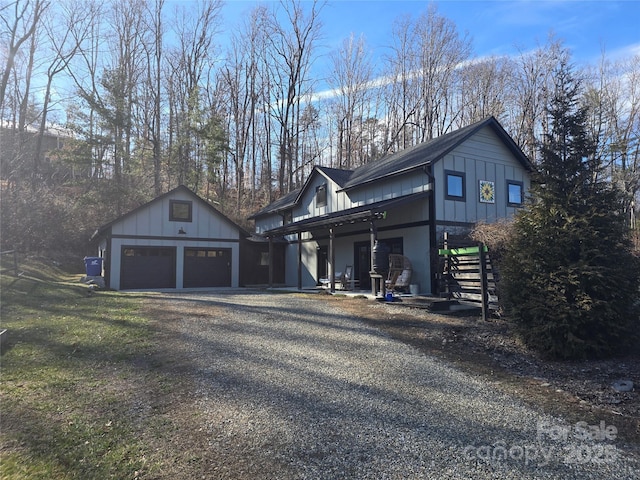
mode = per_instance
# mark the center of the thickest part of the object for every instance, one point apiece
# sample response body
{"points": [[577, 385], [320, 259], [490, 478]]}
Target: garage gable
{"points": [[177, 240], [179, 213]]}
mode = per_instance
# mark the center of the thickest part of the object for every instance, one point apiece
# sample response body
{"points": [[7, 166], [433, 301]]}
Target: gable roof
{"points": [[336, 175], [401, 162], [104, 229], [291, 199], [428, 153], [283, 203]]}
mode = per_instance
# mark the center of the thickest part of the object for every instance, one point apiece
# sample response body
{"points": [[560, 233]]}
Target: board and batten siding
{"points": [[150, 227], [154, 221], [482, 157], [268, 222], [390, 188], [307, 206]]}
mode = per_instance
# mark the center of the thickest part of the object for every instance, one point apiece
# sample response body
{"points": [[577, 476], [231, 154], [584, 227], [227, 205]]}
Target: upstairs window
{"points": [[321, 195], [515, 193], [287, 217], [180, 211], [455, 185]]}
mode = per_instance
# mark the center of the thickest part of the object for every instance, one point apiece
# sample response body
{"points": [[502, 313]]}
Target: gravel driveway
{"points": [[291, 387]]}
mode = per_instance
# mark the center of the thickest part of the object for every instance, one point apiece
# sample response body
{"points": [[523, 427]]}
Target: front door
{"points": [[362, 264], [322, 263], [362, 258]]}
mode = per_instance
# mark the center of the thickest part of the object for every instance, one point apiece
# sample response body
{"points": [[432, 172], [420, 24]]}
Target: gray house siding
{"points": [[483, 157], [400, 186], [145, 230], [480, 152], [407, 223]]}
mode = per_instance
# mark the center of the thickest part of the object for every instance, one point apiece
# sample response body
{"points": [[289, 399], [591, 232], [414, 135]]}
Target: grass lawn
{"points": [[81, 379]]}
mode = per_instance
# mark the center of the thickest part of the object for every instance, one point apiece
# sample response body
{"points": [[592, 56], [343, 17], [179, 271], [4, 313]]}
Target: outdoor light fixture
{"points": [[181, 231]]}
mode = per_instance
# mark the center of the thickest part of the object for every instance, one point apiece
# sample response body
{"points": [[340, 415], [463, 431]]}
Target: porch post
{"points": [[374, 236], [332, 257], [270, 262], [374, 282], [299, 260]]}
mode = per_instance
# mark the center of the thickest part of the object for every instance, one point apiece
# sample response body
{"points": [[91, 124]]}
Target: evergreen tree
{"points": [[571, 280]]}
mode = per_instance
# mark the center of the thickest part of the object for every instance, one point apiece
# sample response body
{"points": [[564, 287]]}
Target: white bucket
{"points": [[414, 289]]}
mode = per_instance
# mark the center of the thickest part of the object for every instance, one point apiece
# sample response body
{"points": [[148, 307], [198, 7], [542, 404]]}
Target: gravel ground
{"points": [[291, 387]]}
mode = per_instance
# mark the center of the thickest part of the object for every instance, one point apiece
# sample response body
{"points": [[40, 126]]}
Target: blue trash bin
{"points": [[93, 266]]}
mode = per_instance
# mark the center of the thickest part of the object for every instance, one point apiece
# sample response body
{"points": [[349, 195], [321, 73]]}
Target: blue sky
{"points": [[500, 27]]}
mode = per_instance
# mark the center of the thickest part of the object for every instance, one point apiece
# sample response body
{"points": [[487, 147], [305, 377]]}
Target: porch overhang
{"points": [[363, 213]]}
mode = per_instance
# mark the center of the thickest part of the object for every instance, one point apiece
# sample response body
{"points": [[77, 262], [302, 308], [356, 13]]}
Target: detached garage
{"points": [[177, 241]]}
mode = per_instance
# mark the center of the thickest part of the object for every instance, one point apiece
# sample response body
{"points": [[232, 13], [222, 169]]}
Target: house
{"points": [[19, 152], [406, 200], [177, 240]]}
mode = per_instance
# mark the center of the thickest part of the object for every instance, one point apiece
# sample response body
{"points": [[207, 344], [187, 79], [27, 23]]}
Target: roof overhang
{"points": [[362, 213]]}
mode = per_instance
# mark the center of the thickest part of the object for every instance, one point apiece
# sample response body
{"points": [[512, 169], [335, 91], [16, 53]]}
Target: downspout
{"points": [[270, 262], [299, 260], [433, 239], [106, 262], [332, 257]]}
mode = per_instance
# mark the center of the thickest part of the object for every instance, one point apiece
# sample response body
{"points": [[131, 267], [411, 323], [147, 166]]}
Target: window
{"points": [[514, 193], [455, 188], [180, 211], [287, 217], [321, 195]]}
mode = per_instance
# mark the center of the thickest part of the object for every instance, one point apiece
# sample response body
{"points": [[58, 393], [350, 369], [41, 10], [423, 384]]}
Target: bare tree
{"points": [[240, 79], [154, 88], [351, 78], [401, 93], [190, 66], [20, 23], [529, 94], [66, 31], [482, 89], [441, 51], [290, 50], [613, 99], [423, 71], [20, 20]]}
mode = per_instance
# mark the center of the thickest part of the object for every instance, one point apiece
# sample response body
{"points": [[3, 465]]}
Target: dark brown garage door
{"points": [[207, 267], [148, 267]]}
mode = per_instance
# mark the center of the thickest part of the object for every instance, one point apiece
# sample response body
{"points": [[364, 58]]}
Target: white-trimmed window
{"points": [[321, 195]]}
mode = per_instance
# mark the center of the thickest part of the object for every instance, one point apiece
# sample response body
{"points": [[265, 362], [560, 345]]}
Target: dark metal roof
{"points": [[429, 152], [351, 215], [401, 162], [283, 203], [338, 176]]}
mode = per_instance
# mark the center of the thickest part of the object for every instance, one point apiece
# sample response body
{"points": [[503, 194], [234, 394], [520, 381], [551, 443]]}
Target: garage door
{"points": [[207, 267], [148, 267]]}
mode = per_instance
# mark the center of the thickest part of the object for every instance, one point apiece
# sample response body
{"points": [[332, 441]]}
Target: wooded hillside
{"points": [[146, 95]]}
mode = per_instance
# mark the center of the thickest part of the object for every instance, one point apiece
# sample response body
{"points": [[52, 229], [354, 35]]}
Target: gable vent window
{"points": [[321, 195], [455, 185], [180, 211]]}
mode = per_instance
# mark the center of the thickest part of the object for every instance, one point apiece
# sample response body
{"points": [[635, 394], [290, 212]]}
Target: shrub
{"points": [[570, 278]]}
